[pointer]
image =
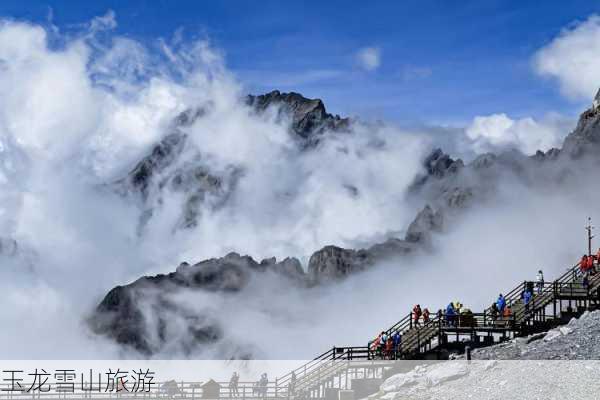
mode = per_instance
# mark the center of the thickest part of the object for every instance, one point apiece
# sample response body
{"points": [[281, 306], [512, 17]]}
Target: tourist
{"points": [[494, 311], [501, 304], [263, 383], [540, 282], [397, 339], [425, 316], [450, 315], [527, 299], [417, 314], [233, 385]]}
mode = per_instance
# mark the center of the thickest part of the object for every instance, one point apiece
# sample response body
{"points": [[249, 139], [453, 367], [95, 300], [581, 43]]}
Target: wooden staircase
{"points": [[545, 309]]}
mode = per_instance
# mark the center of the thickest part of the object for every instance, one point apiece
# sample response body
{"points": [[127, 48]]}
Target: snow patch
{"points": [[552, 334], [565, 330], [424, 377], [447, 371]]}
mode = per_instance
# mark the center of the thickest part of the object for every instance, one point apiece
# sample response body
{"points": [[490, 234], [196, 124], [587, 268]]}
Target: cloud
{"points": [[76, 117], [488, 133], [369, 58], [572, 59], [104, 22]]}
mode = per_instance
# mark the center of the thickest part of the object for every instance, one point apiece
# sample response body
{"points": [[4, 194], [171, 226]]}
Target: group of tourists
{"points": [[418, 314], [588, 267], [452, 313], [259, 388], [386, 346], [500, 309]]}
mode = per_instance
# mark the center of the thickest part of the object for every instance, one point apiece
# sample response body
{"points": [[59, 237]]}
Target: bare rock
{"points": [[426, 222], [143, 316], [309, 118], [332, 262]]}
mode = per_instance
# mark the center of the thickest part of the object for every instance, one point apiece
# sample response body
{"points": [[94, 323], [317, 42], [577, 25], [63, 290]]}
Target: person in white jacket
{"points": [[540, 281]]}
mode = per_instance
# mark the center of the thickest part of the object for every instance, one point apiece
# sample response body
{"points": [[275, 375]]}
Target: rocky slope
{"points": [[450, 184], [514, 369], [578, 340], [495, 380], [123, 312]]}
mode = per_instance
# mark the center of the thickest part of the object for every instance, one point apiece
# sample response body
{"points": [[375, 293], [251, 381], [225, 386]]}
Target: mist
{"points": [[80, 110]]}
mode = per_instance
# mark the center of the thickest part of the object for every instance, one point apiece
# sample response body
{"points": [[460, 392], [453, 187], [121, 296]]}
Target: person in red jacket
{"points": [[374, 345], [590, 265], [417, 314], [583, 264], [425, 315], [389, 348]]}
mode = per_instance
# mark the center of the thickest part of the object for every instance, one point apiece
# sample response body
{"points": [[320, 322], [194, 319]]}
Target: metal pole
{"points": [[590, 236]]}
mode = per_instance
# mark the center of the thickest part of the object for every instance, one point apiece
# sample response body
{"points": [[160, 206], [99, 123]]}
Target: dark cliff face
{"points": [[585, 139], [141, 315], [309, 119], [332, 263], [450, 185]]}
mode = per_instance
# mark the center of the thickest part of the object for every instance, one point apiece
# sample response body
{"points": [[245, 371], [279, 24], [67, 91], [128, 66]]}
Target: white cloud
{"points": [[573, 59], [526, 134], [369, 58], [68, 118], [104, 22], [85, 112]]}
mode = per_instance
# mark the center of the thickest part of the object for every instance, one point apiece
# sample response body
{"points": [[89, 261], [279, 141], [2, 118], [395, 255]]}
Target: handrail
{"points": [[305, 368]]}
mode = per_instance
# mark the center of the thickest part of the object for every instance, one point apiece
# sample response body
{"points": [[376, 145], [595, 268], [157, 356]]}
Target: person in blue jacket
{"points": [[526, 299], [450, 314], [501, 303], [397, 338]]}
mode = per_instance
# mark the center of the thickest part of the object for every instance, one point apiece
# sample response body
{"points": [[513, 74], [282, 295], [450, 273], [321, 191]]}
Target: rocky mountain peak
{"points": [[586, 136], [309, 116], [426, 222], [173, 165], [439, 164]]}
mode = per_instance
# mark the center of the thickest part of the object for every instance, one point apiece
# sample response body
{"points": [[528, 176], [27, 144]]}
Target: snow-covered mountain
{"points": [[149, 316]]}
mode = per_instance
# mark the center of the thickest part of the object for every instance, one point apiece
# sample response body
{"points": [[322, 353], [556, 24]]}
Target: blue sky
{"points": [[441, 61]]}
